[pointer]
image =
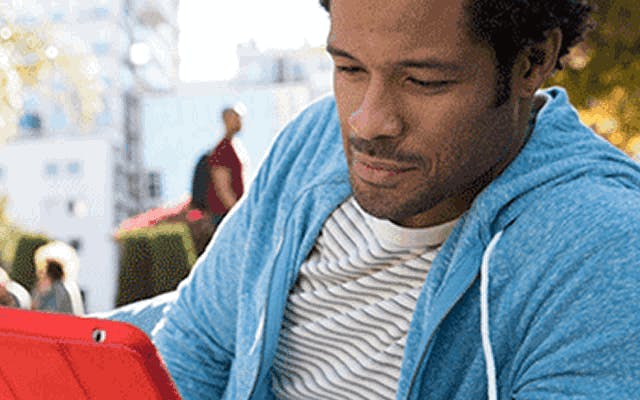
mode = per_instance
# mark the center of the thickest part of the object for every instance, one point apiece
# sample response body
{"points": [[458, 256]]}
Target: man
{"points": [[226, 185], [56, 288], [440, 230], [12, 294]]}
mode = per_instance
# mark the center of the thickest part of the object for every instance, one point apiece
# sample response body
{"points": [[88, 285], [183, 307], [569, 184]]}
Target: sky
{"points": [[211, 30]]}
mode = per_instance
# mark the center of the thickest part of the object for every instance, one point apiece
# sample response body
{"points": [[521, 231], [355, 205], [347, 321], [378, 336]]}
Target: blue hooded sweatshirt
{"points": [[535, 294]]}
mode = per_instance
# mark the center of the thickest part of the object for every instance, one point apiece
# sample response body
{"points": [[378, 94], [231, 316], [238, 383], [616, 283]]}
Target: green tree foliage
{"points": [[602, 75], [24, 270], [44, 58]]}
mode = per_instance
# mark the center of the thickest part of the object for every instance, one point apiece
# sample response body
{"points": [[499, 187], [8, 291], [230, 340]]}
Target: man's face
{"points": [[415, 98], [233, 121]]}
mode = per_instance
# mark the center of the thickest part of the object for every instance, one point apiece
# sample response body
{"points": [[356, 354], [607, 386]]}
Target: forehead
{"points": [[392, 26], [230, 113]]}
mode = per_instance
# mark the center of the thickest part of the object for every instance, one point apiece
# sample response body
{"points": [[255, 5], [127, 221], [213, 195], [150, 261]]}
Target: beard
{"points": [[395, 204]]}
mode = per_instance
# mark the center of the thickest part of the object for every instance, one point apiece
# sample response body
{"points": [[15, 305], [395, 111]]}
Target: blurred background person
{"points": [[6, 300], [56, 288], [12, 294], [217, 180]]}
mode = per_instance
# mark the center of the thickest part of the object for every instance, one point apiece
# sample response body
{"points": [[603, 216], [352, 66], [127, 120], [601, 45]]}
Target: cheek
{"points": [[349, 94], [478, 144], [453, 138]]}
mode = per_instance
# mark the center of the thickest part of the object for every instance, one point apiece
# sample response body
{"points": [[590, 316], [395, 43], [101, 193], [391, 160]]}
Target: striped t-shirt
{"points": [[347, 317]]}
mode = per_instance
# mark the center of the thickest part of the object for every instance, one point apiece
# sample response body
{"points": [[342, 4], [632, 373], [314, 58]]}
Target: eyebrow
{"points": [[427, 63], [334, 51]]}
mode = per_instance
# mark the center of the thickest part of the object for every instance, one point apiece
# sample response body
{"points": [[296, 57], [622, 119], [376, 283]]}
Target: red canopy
{"points": [[157, 215]]}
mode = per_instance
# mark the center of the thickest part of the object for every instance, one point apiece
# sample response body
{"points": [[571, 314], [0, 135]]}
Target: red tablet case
{"points": [[45, 356]]}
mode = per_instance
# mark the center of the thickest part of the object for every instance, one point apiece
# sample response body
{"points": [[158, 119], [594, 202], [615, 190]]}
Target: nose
{"points": [[378, 115]]}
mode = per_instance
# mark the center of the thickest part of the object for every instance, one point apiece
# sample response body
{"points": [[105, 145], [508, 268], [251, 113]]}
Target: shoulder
{"points": [[315, 125], [576, 223], [223, 145], [594, 206], [564, 278], [308, 150]]}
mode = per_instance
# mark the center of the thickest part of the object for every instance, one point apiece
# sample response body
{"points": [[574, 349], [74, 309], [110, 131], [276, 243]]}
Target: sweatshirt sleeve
{"points": [[193, 328], [583, 342]]}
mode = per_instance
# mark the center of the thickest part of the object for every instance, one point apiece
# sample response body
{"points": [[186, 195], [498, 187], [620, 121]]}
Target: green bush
{"points": [[24, 270], [134, 278], [153, 260], [173, 255]]}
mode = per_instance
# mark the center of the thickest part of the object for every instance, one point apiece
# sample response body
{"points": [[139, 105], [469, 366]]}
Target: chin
{"points": [[380, 206], [397, 205]]}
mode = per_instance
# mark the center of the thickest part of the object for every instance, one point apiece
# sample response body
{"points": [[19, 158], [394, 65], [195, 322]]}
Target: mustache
{"points": [[385, 149]]}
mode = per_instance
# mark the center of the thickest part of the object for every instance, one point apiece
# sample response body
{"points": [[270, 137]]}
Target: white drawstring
{"points": [[492, 390]]}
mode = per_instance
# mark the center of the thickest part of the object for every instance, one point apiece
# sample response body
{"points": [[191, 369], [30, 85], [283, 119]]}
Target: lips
{"points": [[378, 172], [393, 170]]}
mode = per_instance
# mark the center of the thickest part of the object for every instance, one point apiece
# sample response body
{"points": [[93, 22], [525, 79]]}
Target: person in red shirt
{"points": [[226, 185]]}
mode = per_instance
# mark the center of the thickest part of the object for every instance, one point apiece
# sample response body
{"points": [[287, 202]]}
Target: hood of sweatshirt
{"points": [[560, 150]]}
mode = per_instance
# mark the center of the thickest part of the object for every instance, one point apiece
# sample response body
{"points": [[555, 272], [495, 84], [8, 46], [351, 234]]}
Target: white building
{"points": [[77, 186], [308, 66], [64, 189]]}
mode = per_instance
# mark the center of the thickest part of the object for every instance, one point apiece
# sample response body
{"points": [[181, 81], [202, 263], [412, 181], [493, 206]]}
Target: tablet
{"points": [[48, 356]]}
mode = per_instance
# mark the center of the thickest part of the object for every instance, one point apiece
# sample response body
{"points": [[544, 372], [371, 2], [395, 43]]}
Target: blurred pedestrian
{"points": [[12, 294], [217, 180], [56, 289]]}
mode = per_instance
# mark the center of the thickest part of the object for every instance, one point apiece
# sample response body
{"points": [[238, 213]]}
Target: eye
{"points": [[348, 69], [429, 84]]}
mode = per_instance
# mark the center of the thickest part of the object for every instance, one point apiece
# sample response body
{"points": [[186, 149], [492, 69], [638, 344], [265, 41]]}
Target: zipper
{"points": [[263, 322], [424, 351]]}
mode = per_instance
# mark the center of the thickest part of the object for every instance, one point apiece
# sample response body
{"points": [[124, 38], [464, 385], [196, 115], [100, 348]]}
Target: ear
{"points": [[537, 62]]}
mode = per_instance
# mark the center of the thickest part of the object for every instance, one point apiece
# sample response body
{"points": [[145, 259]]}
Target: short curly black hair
{"points": [[55, 271], [510, 26]]}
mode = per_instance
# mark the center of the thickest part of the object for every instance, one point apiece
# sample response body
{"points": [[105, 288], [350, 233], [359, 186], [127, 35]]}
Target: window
{"points": [[30, 121], [76, 244], [121, 213], [57, 16], [297, 73], [104, 118], [155, 185], [101, 48], [132, 184], [74, 168], [58, 119], [50, 206], [31, 101], [100, 12], [51, 170], [120, 180], [77, 208]]}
